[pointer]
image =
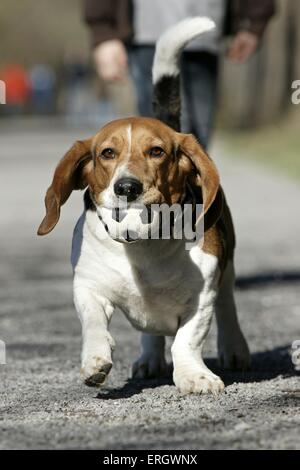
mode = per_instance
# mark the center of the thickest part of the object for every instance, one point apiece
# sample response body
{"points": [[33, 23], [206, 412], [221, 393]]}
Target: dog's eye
{"points": [[108, 154], [156, 152]]}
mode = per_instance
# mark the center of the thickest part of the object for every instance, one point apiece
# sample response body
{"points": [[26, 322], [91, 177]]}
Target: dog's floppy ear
{"points": [[69, 175], [205, 176]]}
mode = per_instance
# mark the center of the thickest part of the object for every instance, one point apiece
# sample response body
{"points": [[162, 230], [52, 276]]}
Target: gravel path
{"points": [[44, 404]]}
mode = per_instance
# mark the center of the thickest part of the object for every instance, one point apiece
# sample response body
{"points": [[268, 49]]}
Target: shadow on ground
{"points": [[267, 279], [266, 365]]}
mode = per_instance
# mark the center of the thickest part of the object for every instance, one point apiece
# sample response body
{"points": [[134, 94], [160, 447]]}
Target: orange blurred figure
{"points": [[16, 83]]}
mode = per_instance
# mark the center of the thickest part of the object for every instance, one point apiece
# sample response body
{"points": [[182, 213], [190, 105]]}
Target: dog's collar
{"points": [[89, 204]]}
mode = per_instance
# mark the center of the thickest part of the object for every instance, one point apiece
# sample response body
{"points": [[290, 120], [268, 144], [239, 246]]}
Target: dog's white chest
{"points": [[153, 283]]}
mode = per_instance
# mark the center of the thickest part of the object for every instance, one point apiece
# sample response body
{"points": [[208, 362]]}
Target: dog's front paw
{"points": [[149, 367], [95, 370], [234, 353], [198, 381]]}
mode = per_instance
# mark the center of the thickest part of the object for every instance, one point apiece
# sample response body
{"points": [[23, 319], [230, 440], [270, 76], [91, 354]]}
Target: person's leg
{"points": [[200, 76], [140, 61]]}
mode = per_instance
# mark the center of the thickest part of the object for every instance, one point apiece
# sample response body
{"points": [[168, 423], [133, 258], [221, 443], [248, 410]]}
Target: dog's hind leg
{"points": [[151, 363], [232, 347], [94, 312]]}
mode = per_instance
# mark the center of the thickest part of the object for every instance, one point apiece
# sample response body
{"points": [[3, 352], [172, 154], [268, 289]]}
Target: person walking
{"points": [[124, 33]]}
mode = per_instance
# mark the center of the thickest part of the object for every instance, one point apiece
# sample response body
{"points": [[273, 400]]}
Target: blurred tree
{"points": [[295, 38], [259, 91]]}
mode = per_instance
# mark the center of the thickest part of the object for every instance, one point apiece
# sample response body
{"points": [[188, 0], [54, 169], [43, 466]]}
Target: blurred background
{"points": [[48, 70]]}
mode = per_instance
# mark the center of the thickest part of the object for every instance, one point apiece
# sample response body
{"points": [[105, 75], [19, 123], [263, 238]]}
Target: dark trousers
{"points": [[199, 88]]}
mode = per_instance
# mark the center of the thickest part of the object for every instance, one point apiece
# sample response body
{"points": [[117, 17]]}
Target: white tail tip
{"points": [[171, 43]]}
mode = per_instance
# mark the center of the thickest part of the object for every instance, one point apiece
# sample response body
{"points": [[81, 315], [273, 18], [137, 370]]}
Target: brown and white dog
{"points": [[163, 289]]}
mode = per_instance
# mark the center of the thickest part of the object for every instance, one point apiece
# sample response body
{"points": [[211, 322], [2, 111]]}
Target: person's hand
{"points": [[242, 47], [111, 60]]}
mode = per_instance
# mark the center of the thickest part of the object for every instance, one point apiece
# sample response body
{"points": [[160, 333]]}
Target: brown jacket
{"points": [[112, 19]]}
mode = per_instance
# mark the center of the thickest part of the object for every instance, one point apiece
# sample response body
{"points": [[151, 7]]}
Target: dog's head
{"points": [[140, 159]]}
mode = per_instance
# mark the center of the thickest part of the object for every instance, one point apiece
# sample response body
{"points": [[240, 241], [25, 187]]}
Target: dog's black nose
{"points": [[128, 187]]}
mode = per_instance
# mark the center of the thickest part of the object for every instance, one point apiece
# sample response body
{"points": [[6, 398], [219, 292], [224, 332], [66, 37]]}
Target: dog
{"points": [[162, 288]]}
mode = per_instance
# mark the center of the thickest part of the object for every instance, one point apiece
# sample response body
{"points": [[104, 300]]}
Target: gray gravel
{"points": [[44, 404]]}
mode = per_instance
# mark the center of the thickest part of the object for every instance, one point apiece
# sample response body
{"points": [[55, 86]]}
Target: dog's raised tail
{"points": [[166, 67]]}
